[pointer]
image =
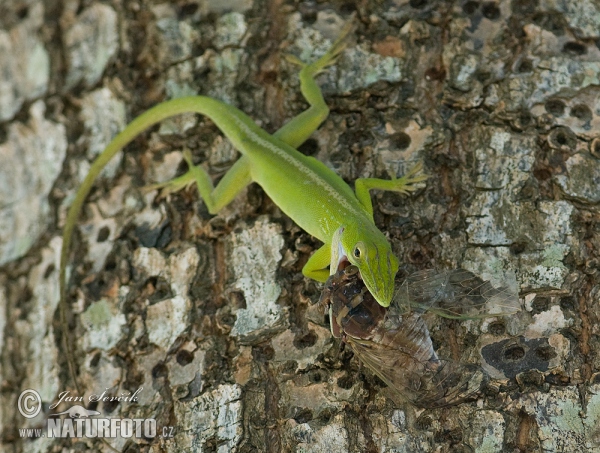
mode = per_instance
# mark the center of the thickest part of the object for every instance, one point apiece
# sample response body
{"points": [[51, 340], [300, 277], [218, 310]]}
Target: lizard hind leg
{"points": [[215, 198], [300, 128]]}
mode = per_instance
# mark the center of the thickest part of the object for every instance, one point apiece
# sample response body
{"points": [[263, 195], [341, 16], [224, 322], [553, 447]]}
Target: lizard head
{"points": [[371, 252]]}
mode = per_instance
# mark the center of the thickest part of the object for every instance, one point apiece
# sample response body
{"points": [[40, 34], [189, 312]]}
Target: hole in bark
{"points": [[552, 21], [555, 107], [540, 304], [305, 341], [316, 376], [95, 360], [160, 370], [525, 66], [514, 353], [417, 4], [103, 234], [402, 140], [188, 9], [49, 270], [562, 138], [497, 328], [516, 248], [574, 48], [545, 353], [595, 148], [435, 73], [263, 353], [582, 112], [523, 7], [490, 11], [302, 414], [424, 422], [184, 357], [345, 382], [470, 7], [567, 302]]}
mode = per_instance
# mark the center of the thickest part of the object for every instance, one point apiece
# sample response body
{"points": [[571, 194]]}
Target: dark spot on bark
{"points": [[159, 371], [530, 377], [562, 138], [559, 379], [154, 237], [470, 7], [401, 139], [497, 328], [22, 12], [525, 65], [347, 8], [316, 376], [103, 234], [302, 414], [552, 21], [435, 73], [325, 415], [95, 360], [575, 48], [418, 4], [540, 304], [545, 353], [263, 353], [452, 436], [490, 11], [187, 9], [582, 112], [595, 148], [524, 7], [306, 340], [132, 447], [423, 423], [567, 302], [309, 13], [268, 77], [555, 107], [514, 353], [516, 248], [345, 382], [482, 75], [110, 406], [49, 270], [158, 289], [184, 357], [309, 148]]}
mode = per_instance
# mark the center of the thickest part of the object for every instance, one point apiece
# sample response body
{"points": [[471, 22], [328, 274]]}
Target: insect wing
{"points": [[428, 384], [457, 294]]}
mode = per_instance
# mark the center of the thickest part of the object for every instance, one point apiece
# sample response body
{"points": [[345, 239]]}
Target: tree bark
{"points": [[204, 323]]}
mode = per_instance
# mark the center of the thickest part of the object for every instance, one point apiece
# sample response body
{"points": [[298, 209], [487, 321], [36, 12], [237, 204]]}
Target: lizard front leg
{"points": [[405, 185]]}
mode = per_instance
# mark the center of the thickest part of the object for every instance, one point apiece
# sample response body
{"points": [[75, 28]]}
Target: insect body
{"points": [[395, 343]]}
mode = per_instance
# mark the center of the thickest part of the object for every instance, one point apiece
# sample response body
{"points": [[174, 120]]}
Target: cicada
{"points": [[395, 343]]}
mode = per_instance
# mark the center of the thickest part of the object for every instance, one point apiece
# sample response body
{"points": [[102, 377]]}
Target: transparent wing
{"points": [[424, 383], [457, 294]]}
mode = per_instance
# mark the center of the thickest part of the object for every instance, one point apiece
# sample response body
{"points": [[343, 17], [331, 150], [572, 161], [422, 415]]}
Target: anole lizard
{"points": [[313, 195]]}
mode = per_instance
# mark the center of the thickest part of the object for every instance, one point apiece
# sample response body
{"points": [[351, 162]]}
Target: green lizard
{"points": [[313, 195]]}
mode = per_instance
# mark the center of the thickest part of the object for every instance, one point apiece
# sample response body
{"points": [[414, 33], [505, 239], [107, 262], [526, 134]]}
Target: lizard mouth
{"points": [[343, 263], [342, 258]]}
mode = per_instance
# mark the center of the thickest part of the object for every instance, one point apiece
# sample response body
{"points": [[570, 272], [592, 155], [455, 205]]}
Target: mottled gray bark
{"points": [[210, 315]]}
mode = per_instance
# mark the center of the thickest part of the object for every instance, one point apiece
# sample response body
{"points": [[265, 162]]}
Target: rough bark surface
{"points": [[209, 315]]}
